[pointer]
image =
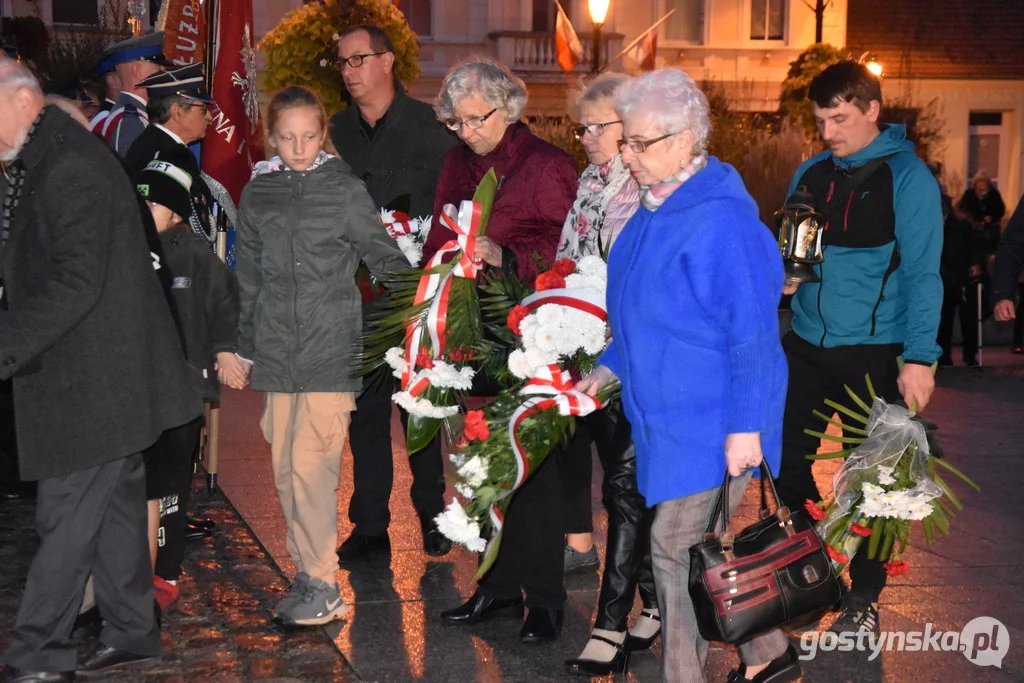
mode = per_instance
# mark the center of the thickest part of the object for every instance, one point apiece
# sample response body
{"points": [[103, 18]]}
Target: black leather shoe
{"points": [[478, 607], [102, 657], [196, 533], [359, 546], [637, 644], [17, 491], [435, 543], [618, 664], [782, 669], [542, 625], [12, 674], [201, 522]]}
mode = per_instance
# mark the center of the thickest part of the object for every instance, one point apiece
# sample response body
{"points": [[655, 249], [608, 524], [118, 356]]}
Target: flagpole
{"points": [[643, 35], [211, 32]]}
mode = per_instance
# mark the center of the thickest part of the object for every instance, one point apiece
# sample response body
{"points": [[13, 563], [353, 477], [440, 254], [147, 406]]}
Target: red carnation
{"points": [[515, 317], [424, 359], [461, 355], [816, 512], [896, 567], [564, 267], [549, 280], [836, 556], [476, 428], [860, 530]]}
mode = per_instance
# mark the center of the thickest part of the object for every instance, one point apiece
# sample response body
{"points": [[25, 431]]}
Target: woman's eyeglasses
{"points": [[475, 123], [595, 129], [355, 61], [640, 146]]}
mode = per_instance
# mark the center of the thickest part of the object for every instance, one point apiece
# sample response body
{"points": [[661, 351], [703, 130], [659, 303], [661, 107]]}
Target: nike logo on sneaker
{"points": [[331, 606]]}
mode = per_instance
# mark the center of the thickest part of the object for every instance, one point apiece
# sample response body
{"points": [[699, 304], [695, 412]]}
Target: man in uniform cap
{"points": [[134, 60], [107, 75], [178, 110]]}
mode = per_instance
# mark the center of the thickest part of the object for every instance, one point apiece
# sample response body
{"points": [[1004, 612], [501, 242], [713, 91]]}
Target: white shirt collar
{"points": [[173, 135]]}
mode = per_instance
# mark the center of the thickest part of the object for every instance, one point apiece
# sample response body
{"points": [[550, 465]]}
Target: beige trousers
{"points": [[307, 433]]}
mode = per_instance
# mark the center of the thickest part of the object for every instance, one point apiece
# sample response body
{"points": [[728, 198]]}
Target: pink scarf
{"points": [[653, 196]]}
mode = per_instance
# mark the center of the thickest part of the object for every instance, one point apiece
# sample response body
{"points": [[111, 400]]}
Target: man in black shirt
{"points": [[395, 144]]}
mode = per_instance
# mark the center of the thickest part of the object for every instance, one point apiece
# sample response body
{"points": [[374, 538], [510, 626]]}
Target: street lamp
{"points": [[598, 13], [871, 64]]}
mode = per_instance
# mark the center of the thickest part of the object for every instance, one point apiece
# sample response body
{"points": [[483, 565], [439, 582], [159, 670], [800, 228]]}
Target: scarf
{"points": [[275, 164], [15, 172], [653, 196], [581, 233]]}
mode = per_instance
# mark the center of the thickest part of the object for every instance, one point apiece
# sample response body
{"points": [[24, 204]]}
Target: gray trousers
{"points": [[678, 524], [89, 521]]}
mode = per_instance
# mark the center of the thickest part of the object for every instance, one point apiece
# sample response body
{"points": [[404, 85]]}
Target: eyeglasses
{"points": [[640, 146], [355, 61], [475, 123], [595, 129], [205, 108]]}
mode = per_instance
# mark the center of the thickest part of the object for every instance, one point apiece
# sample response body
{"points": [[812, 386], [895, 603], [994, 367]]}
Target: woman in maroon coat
{"points": [[482, 102]]}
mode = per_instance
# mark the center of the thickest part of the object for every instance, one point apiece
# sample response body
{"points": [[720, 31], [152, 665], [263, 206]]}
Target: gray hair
{"points": [[600, 90], [672, 99], [486, 77], [15, 75]]}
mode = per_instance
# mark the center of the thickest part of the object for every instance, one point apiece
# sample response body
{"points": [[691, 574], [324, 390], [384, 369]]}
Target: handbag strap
{"points": [[721, 508]]}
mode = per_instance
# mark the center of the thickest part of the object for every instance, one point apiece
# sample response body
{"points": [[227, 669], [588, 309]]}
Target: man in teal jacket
{"points": [[880, 293]]}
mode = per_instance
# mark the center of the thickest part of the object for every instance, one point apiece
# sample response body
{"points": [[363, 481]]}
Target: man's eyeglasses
{"points": [[595, 129], [476, 123], [640, 146], [205, 108], [355, 61]]}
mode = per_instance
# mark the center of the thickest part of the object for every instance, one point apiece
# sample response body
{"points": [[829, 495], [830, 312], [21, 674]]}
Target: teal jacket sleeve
{"points": [[918, 208]]}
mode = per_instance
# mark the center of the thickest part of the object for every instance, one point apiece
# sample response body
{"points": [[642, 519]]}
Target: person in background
{"points": [[304, 224], [134, 60], [1006, 270], [106, 92], [205, 299], [695, 344], [483, 102], [607, 198], [958, 267], [79, 282], [395, 144], [982, 200]]}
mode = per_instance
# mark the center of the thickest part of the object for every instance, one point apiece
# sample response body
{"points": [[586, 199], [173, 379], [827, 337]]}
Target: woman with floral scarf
{"points": [[607, 198]]}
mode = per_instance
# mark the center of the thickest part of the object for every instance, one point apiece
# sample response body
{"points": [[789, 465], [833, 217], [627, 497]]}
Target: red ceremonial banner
{"points": [[184, 29], [234, 141]]}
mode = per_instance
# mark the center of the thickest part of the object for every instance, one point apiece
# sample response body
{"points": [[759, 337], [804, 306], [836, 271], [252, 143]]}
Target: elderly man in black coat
{"points": [[99, 372]]}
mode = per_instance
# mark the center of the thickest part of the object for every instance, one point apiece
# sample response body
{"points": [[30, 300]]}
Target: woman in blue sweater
{"points": [[693, 288]]}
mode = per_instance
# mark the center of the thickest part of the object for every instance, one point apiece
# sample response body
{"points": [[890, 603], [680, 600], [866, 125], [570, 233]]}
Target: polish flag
{"points": [[646, 51], [568, 49], [184, 27]]}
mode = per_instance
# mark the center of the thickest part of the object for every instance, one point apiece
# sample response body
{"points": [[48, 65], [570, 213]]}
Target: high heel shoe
{"points": [[618, 664], [637, 644]]}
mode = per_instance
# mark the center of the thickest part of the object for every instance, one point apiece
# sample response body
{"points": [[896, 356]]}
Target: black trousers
{"points": [[530, 557], [373, 465], [576, 470], [816, 374], [627, 563], [177, 447], [965, 301], [93, 521]]}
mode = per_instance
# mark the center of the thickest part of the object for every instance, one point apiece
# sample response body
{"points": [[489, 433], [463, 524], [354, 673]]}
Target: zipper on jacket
{"points": [[297, 198], [881, 293], [821, 316]]}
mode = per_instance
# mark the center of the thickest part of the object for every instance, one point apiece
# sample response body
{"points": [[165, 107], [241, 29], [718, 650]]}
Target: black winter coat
{"points": [[205, 294], [88, 334]]}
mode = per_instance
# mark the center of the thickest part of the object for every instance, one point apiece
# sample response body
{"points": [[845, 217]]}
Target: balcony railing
{"points": [[534, 52]]}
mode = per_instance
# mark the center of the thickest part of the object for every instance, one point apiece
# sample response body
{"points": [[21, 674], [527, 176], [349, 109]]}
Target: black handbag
{"points": [[772, 573]]}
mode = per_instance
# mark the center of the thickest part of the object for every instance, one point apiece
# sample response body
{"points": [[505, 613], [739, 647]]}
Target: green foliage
{"points": [[558, 130], [301, 49], [793, 103]]}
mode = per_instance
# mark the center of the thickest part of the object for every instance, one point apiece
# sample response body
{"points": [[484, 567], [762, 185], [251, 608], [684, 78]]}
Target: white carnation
{"points": [[446, 376], [518, 365], [474, 471], [885, 477], [421, 407], [455, 524], [465, 491], [593, 266], [549, 315], [395, 357]]}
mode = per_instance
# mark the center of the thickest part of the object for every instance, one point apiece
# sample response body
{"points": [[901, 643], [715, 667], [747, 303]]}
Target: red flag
{"points": [[184, 26], [647, 50], [568, 49], [234, 141]]}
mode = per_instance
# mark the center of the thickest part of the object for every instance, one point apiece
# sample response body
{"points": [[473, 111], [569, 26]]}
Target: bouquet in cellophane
{"points": [[888, 481], [558, 330]]}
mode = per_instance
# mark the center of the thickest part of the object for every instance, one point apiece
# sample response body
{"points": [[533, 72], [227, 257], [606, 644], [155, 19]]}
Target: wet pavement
{"points": [[220, 629]]}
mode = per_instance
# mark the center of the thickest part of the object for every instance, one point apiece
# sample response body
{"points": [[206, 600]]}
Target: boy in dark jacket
{"points": [[205, 295]]}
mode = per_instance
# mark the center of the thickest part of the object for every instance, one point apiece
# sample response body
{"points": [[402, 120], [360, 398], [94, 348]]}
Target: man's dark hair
{"points": [[379, 40], [845, 81], [159, 108]]}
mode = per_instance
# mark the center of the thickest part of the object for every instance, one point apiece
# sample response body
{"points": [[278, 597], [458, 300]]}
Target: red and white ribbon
{"points": [[587, 300], [400, 224], [465, 223], [551, 388]]}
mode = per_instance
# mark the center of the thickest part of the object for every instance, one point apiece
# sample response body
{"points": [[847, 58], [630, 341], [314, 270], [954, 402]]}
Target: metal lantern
{"points": [[800, 226]]}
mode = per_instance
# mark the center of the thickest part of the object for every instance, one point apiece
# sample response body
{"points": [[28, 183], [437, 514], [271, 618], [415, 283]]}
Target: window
{"points": [[544, 12], [767, 19], [687, 24], [75, 12], [417, 13]]}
